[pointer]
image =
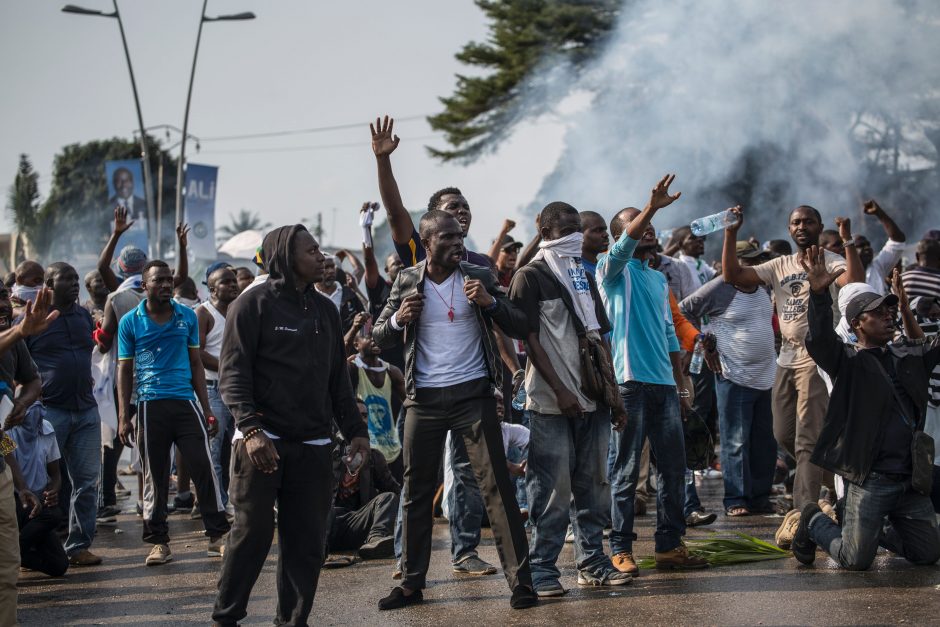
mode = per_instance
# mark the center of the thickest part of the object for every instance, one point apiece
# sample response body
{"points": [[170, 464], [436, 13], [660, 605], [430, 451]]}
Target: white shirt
{"points": [[336, 295], [318, 442], [213, 337], [258, 280], [882, 265], [701, 271], [448, 351]]}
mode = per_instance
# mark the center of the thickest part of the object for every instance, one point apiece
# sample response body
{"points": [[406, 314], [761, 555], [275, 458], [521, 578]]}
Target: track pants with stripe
{"points": [[160, 425]]}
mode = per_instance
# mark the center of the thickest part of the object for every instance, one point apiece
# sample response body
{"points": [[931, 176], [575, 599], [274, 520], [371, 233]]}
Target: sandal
{"points": [[737, 510]]}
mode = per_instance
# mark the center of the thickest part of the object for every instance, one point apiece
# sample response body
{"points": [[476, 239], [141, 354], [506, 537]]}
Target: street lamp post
{"points": [[148, 187], [189, 96]]}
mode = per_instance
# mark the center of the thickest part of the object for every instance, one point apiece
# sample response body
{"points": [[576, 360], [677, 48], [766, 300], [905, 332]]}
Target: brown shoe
{"points": [[784, 535], [625, 563], [679, 558], [84, 557]]}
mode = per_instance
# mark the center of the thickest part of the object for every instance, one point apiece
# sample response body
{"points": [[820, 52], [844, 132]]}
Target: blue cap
{"points": [[216, 266]]}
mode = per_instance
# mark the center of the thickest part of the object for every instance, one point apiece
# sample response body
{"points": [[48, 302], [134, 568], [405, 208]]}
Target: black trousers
{"points": [[350, 529], [301, 487], [40, 547], [160, 425], [469, 410], [110, 458]]}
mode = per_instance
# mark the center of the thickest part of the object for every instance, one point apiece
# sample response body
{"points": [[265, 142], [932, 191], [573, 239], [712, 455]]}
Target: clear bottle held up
{"points": [[714, 222]]}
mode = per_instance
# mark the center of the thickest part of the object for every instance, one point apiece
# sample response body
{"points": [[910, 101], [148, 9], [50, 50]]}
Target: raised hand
{"points": [[182, 234], [508, 225], [360, 320], [121, 224], [845, 228], [897, 288], [660, 196], [37, 316], [734, 228], [813, 261], [871, 208], [384, 142]]}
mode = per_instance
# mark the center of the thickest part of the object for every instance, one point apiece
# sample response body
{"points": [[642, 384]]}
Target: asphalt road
{"points": [[122, 591]]}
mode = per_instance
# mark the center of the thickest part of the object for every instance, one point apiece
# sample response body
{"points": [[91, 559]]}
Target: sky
{"points": [[299, 65]]}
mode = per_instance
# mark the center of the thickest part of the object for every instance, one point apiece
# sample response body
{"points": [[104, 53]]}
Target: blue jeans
{"points": [[516, 455], [748, 447], [566, 480], [692, 502], [78, 434], [912, 533], [465, 504], [652, 412], [220, 445]]}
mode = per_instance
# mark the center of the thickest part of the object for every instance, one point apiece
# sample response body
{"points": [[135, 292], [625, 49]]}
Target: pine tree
{"points": [[523, 34], [34, 227]]}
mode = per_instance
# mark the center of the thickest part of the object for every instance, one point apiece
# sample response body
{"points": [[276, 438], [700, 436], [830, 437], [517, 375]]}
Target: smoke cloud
{"points": [[767, 104]]}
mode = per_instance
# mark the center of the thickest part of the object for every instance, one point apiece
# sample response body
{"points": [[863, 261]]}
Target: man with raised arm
{"points": [[878, 267], [799, 393], [647, 367], [404, 235], [871, 429]]}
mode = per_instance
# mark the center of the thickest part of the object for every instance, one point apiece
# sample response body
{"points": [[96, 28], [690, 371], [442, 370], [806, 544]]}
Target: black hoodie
{"points": [[283, 363]]}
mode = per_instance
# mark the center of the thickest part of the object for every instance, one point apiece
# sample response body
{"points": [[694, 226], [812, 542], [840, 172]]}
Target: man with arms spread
{"points": [[444, 308], [569, 432], [799, 395], [160, 340], [283, 376], [647, 365]]}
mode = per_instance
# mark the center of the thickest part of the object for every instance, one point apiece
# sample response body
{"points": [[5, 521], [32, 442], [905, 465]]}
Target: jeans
{"points": [[748, 448], [914, 526], [78, 434], [110, 458], [566, 480], [653, 412], [516, 455], [220, 445], [350, 529], [692, 502], [465, 504]]}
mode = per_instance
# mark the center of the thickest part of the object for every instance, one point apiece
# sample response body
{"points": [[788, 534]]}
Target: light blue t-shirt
{"points": [[637, 301], [160, 351]]}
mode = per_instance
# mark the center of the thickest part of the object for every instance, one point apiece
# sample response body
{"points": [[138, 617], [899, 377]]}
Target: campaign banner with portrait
{"points": [[126, 189], [199, 199]]}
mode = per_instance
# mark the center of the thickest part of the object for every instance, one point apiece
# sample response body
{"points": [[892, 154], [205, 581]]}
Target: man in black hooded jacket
{"points": [[283, 375]]}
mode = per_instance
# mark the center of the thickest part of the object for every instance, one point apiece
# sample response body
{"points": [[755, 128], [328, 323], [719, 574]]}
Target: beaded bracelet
{"points": [[252, 433]]}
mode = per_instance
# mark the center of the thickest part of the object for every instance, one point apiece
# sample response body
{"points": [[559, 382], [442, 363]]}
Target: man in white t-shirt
{"points": [[799, 394]]}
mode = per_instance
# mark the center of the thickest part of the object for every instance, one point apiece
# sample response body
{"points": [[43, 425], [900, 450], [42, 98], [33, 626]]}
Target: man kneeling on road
{"points": [[873, 433]]}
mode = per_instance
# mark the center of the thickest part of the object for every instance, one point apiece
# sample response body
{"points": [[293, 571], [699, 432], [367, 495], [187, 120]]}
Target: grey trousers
{"points": [[469, 410]]}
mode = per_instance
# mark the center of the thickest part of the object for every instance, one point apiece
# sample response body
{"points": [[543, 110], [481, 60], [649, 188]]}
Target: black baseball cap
{"points": [[508, 243], [868, 301]]}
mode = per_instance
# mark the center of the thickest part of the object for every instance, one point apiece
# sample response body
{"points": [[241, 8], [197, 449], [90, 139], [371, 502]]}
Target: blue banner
{"points": [[200, 209], [126, 189]]}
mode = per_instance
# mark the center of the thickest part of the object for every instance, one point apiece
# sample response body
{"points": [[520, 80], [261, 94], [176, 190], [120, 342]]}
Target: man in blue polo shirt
{"points": [[161, 337]]}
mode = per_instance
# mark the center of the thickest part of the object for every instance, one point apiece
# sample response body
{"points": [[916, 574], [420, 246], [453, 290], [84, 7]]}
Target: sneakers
{"points": [[712, 473], [804, 549], [625, 563], [473, 565], [217, 546], [606, 577], [699, 518], [523, 597], [784, 535], [107, 514], [549, 589], [679, 558], [377, 548], [159, 554], [84, 557], [397, 599]]}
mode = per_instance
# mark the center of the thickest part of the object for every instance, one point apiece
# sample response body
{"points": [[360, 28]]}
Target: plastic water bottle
{"points": [[518, 401], [714, 222], [698, 356]]}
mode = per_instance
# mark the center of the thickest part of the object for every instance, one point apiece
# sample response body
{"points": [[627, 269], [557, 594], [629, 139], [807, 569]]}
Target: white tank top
{"points": [[214, 337]]}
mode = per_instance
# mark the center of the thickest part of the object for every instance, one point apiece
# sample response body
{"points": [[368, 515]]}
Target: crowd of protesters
{"points": [[537, 389]]}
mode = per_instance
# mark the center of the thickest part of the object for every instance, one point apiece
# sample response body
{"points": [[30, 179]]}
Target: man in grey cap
{"points": [[872, 435]]}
